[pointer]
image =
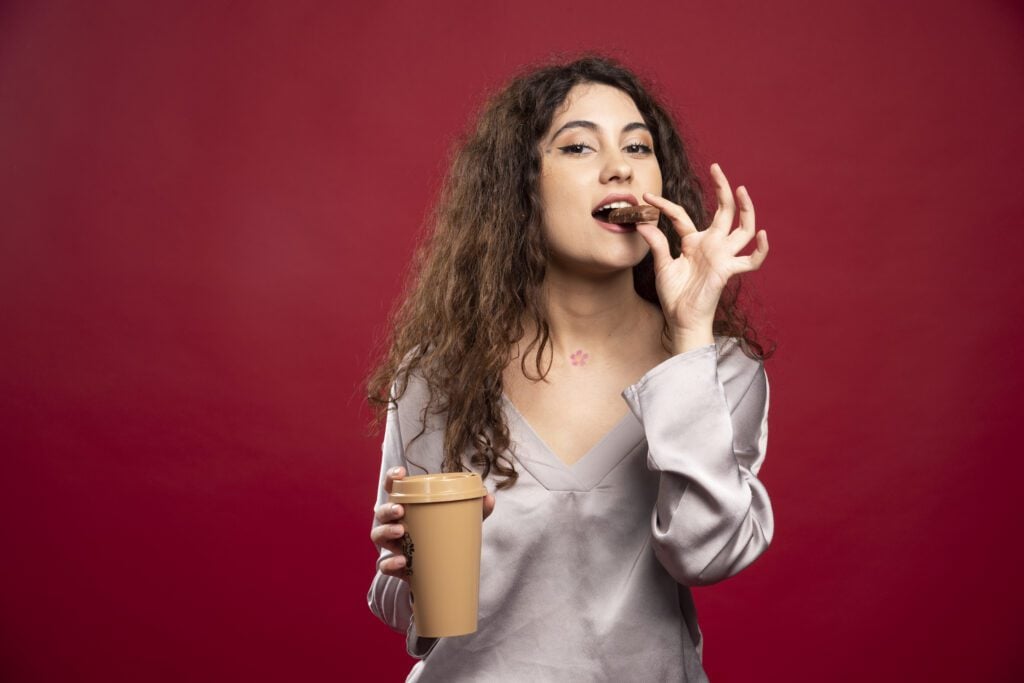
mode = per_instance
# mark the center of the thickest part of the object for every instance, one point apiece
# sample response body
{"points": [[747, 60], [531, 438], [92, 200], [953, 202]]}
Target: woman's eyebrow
{"points": [[590, 125]]}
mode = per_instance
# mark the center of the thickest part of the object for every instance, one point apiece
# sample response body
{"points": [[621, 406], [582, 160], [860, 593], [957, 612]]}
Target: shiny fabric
{"points": [[585, 569]]}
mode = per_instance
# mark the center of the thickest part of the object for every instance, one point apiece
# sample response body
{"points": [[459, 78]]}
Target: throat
{"points": [[579, 358]]}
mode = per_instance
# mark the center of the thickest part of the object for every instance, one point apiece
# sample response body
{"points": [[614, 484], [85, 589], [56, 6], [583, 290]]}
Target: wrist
{"points": [[681, 341]]}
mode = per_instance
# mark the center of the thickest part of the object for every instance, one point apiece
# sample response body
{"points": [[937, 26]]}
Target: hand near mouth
{"points": [[690, 286]]}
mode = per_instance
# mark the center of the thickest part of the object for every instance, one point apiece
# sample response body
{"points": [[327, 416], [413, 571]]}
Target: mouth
{"points": [[603, 221], [602, 212]]}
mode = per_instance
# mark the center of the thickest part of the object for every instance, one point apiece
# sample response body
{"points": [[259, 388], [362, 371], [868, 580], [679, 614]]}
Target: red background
{"points": [[206, 212]]}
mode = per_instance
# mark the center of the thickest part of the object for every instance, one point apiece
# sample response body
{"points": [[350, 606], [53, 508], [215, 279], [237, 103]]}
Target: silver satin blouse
{"points": [[585, 568]]}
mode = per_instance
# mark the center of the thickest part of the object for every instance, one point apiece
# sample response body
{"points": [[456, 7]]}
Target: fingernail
{"points": [[396, 530], [395, 509], [393, 471]]}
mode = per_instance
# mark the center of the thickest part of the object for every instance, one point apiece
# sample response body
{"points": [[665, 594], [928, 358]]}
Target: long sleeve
{"points": [[388, 596], [706, 424]]}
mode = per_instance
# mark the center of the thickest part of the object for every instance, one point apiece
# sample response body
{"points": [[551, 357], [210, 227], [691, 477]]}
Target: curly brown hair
{"points": [[479, 274]]}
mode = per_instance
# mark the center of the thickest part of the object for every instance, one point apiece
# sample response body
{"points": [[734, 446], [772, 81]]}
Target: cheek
{"points": [[559, 194], [655, 179]]}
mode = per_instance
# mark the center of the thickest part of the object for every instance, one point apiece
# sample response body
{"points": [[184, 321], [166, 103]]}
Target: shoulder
{"points": [[410, 391], [421, 429], [410, 395]]}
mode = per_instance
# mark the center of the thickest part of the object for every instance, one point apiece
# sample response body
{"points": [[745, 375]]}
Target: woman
{"points": [[532, 319]]}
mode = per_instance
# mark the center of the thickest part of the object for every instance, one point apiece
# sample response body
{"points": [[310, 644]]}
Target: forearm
{"points": [[713, 516], [388, 599]]}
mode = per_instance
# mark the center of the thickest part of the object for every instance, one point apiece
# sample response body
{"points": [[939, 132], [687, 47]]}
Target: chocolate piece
{"points": [[634, 214]]}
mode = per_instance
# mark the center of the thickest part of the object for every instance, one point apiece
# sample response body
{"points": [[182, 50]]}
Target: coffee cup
{"points": [[443, 527]]}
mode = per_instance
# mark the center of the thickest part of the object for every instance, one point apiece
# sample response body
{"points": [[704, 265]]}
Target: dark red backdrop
{"points": [[190, 288]]}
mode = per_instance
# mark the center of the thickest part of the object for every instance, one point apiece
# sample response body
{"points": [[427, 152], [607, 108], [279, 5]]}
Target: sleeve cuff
{"points": [[416, 645], [701, 358]]}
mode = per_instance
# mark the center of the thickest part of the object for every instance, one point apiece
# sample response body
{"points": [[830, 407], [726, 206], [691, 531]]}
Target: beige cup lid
{"points": [[437, 488]]}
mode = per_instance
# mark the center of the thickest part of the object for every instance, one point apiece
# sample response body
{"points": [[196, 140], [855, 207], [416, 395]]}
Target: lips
{"points": [[612, 201], [605, 207]]}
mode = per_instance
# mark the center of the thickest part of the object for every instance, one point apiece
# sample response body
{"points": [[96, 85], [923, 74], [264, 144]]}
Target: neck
{"points": [[592, 313]]}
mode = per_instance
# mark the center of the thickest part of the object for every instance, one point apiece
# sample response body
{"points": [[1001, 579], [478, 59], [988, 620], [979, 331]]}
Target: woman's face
{"points": [[598, 150]]}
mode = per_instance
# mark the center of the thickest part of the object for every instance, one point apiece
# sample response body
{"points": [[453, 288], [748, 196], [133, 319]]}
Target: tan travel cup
{"points": [[443, 524]]}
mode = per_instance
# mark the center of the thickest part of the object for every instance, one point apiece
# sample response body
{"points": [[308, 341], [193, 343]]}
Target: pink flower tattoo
{"points": [[580, 357]]}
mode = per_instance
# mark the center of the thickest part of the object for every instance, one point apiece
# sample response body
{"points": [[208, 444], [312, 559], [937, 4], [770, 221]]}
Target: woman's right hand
{"points": [[389, 530]]}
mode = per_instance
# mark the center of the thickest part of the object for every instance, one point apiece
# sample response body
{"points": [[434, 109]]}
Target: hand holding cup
{"points": [[389, 529]]}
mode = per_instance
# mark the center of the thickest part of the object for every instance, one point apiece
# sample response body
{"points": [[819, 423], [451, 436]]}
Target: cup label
{"points": [[408, 548]]}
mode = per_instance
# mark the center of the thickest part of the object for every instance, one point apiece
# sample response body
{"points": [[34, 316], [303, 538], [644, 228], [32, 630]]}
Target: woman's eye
{"points": [[638, 148], [575, 149]]}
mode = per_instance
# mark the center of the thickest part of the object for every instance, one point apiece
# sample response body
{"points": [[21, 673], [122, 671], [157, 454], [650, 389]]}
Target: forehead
{"points": [[597, 102]]}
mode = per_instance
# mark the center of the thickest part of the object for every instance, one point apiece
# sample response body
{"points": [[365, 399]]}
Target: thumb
{"points": [[658, 243]]}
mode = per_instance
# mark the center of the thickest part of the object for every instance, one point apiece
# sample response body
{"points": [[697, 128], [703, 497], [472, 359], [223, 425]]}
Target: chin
{"points": [[634, 257], [604, 267]]}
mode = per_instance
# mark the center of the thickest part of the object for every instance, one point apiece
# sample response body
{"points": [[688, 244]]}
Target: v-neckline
{"points": [[587, 472]]}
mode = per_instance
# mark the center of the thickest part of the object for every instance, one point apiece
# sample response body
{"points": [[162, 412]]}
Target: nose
{"points": [[616, 167]]}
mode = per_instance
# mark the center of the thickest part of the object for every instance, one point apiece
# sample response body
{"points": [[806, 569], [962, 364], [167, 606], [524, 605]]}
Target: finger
{"points": [[658, 243], [745, 264], [680, 219], [387, 535], [747, 227], [488, 505], [393, 547], [392, 474], [391, 537], [388, 512], [726, 205], [740, 238], [393, 566]]}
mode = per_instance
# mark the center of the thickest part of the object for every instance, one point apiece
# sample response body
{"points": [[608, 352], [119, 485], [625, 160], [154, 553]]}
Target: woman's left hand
{"points": [[690, 286]]}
